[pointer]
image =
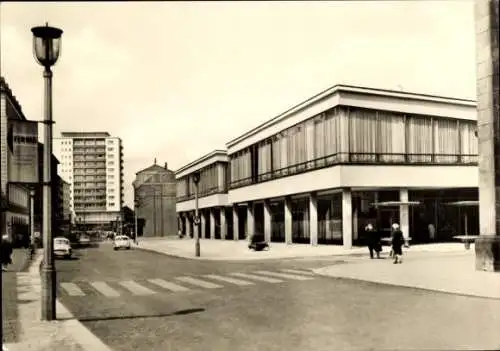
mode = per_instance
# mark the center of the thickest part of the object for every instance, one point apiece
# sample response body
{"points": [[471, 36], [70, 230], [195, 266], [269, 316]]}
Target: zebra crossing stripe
{"points": [[284, 275], [104, 289], [199, 282], [72, 289], [229, 280], [297, 271], [168, 285], [257, 277], [136, 288]]}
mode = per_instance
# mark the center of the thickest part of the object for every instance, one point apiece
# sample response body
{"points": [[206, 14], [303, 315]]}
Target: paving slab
{"points": [[451, 273]]}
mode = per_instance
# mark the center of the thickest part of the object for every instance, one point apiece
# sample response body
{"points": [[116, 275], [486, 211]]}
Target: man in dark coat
{"points": [[372, 239], [397, 243]]}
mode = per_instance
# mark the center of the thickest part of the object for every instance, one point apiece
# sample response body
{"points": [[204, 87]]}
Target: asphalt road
{"points": [[118, 296]]}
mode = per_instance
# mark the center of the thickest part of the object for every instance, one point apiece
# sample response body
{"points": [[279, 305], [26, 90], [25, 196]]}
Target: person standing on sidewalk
{"points": [[397, 243], [6, 252]]}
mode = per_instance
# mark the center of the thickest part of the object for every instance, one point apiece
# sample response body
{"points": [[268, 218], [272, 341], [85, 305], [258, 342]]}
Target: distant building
{"points": [[66, 203], [92, 162], [56, 192], [155, 195]]}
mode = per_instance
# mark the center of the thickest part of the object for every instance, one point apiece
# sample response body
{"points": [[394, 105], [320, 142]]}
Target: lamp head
{"points": [[196, 177], [46, 44]]}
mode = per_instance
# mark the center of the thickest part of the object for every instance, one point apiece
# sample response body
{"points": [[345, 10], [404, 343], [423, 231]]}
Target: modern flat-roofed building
{"points": [[319, 172], [215, 217], [92, 162]]}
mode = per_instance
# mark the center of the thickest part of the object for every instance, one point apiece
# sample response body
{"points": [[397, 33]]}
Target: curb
{"points": [[79, 332]]}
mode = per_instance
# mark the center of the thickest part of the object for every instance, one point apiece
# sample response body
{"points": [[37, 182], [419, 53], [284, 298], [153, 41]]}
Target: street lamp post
{"points": [[46, 49], [196, 180]]}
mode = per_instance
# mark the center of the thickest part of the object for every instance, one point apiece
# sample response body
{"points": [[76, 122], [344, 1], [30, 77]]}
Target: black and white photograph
{"points": [[250, 175]]}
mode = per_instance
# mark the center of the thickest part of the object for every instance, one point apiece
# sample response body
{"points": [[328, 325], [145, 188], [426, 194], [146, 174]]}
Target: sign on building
{"points": [[22, 161]]}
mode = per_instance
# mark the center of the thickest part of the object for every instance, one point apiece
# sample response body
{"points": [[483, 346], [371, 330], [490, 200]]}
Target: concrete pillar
{"points": [[267, 221], [313, 219], [223, 223], [203, 221], [212, 223], [250, 221], [236, 223], [404, 214], [487, 246], [187, 225], [347, 218], [288, 220]]}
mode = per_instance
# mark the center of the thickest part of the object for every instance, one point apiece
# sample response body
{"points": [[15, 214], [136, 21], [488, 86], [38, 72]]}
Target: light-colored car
{"points": [[62, 247], [84, 240], [121, 242]]}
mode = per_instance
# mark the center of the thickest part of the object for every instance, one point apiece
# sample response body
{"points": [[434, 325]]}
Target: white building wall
{"points": [[216, 200], [113, 174], [370, 176]]}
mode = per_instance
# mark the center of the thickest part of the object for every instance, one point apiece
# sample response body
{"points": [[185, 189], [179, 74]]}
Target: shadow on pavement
{"points": [[177, 313]]}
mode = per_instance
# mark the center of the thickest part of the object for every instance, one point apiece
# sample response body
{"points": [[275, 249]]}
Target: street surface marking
{"points": [[198, 282], [135, 288], [284, 275], [168, 285], [297, 271], [228, 280], [105, 289], [257, 277], [72, 289]]}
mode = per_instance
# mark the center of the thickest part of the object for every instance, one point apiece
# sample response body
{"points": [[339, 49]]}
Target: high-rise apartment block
{"points": [[92, 162]]}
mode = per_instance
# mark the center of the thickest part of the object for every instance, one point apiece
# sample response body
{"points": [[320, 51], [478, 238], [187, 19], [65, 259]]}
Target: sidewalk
{"points": [[64, 334], [452, 273], [10, 318], [237, 250]]}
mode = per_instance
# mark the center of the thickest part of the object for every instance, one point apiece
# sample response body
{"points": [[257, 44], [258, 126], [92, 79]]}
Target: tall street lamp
{"points": [[196, 180], [46, 49]]}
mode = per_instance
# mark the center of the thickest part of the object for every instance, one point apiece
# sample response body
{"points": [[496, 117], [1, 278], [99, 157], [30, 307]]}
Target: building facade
{"points": [[92, 162], [215, 215], [14, 198], [155, 198], [319, 172]]}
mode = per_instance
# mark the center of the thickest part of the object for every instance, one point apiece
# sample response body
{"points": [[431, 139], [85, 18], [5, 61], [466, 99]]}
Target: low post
{"points": [[196, 180]]}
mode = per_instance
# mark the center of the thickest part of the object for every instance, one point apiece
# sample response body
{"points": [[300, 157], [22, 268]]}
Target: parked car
{"points": [[121, 242], [62, 247]]}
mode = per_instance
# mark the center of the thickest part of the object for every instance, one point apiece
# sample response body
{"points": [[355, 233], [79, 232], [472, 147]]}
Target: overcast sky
{"points": [[176, 80]]}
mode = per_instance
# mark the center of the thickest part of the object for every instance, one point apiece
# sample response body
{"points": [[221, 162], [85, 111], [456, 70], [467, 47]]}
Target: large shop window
{"points": [[391, 140], [468, 142], [446, 141], [363, 135], [419, 139], [264, 160], [241, 170]]}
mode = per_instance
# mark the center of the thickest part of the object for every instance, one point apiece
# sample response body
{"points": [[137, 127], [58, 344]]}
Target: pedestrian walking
{"points": [[6, 252], [397, 243], [372, 238]]}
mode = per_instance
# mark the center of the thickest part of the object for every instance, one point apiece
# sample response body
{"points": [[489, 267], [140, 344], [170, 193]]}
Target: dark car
{"points": [[258, 243]]}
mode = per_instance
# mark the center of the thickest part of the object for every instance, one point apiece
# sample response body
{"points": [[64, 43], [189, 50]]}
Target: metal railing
{"points": [[359, 158]]}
